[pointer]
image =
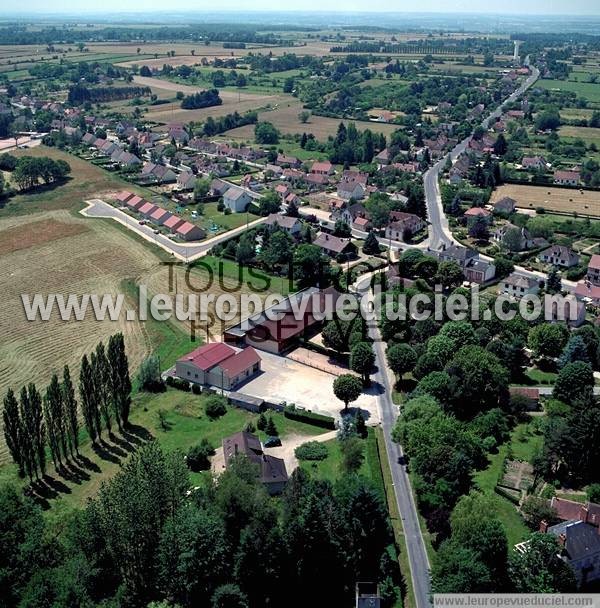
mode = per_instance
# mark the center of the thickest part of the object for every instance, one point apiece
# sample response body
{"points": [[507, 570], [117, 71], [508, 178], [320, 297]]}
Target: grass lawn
{"points": [[256, 279], [183, 424], [537, 376], [523, 446], [85, 181], [233, 220]]}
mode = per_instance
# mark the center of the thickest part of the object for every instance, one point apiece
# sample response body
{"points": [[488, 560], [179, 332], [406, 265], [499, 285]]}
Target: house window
{"points": [[189, 373]]}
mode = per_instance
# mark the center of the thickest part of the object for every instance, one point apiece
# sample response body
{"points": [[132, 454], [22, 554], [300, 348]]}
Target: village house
{"points": [[272, 471], [159, 216], [218, 187], [352, 186], [236, 199], [334, 246], [158, 173], [383, 158], [587, 292], [147, 209], [403, 226], [135, 202], [288, 161], [571, 311], [579, 547], [559, 255], [186, 180], [474, 213], [316, 181], [593, 270], [518, 285], [189, 232], [475, 270], [291, 225], [173, 223], [322, 168], [505, 205], [123, 197], [567, 178], [219, 365], [537, 163], [524, 238]]}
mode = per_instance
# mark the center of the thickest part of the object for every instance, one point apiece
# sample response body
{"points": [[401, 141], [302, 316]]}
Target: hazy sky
{"points": [[573, 7]]}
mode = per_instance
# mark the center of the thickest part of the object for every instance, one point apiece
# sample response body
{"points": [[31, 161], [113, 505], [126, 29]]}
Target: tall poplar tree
{"points": [[13, 428], [102, 382], [70, 409], [89, 401]]}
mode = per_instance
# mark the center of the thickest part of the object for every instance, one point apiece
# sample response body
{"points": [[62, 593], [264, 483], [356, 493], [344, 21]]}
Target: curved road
{"points": [[439, 230]]}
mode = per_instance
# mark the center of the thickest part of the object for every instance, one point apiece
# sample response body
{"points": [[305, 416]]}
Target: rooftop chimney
{"points": [[543, 526], [562, 539]]}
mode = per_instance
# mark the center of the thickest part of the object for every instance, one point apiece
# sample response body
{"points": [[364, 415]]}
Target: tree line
{"points": [[79, 93], [35, 421], [221, 124]]}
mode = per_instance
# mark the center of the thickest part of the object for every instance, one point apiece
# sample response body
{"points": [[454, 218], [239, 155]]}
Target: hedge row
{"points": [[324, 422]]}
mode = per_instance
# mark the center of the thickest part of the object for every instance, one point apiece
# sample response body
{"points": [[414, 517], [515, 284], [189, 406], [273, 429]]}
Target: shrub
{"points": [[180, 385], [272, 442], [312, 450], [324, 422], [149, 375], [196, 389], [216, 406], [198, 456]]}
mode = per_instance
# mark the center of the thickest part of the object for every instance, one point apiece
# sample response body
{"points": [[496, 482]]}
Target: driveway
{"points": [[285, 380]]}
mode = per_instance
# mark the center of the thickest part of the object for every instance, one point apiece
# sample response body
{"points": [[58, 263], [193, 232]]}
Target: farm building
{"points": [[218, 364], [279, 328]]}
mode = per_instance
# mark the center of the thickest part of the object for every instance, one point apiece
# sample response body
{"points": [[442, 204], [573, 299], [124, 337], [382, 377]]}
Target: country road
{"points": [[388, 412], [439, 230]]}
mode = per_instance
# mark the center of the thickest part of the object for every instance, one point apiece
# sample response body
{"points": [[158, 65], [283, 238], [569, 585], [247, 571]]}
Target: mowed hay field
{"points": [[233, 101], [57, 252], [561, 200], [285, 118]]}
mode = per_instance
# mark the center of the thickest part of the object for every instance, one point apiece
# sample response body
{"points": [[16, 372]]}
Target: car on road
{"points": [[156, 231], [142, 222]]}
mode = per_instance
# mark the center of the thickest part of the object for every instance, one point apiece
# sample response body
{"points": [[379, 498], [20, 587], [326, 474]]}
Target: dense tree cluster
{"points": [[202, 99], [29, 170], [80, 93], [144, 539]]}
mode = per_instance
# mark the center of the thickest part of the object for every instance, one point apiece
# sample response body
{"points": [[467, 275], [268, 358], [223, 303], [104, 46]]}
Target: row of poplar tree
{"points": [[34, 421]]}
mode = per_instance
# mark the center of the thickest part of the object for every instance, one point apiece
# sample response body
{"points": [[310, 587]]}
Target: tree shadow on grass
{"points": [[73, 473], [102, 450], [88, 464], [134, 433]]}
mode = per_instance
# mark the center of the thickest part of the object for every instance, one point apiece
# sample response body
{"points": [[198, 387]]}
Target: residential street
{"points": [[187, 252]]}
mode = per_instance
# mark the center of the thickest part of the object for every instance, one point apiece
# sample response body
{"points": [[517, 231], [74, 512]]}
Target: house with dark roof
{"points": [[559, 255], [219, 365], [291, 225], [505, 205], [579, 547], [335, 246], [518, 285], [272, 471], [403, 225], [475, 270]]}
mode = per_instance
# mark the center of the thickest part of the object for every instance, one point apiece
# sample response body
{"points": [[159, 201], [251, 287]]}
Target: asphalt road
{"points": [[439, 230], [388, 412], [187, 252]]}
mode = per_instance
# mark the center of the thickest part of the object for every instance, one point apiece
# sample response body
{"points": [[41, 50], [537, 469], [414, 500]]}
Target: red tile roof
{"points": [[185, 228], [124, 196], [173, 222], [147, 208], [158, 213], [209, 355], [595, 262], [240, 361], [135, 202]]}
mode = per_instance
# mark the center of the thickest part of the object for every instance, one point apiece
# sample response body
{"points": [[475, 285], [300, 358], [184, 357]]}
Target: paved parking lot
{"points": [[285, 380]]}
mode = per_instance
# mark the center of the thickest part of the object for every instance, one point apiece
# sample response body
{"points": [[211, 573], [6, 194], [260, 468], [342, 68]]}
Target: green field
{"points": [[590, 91]]}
